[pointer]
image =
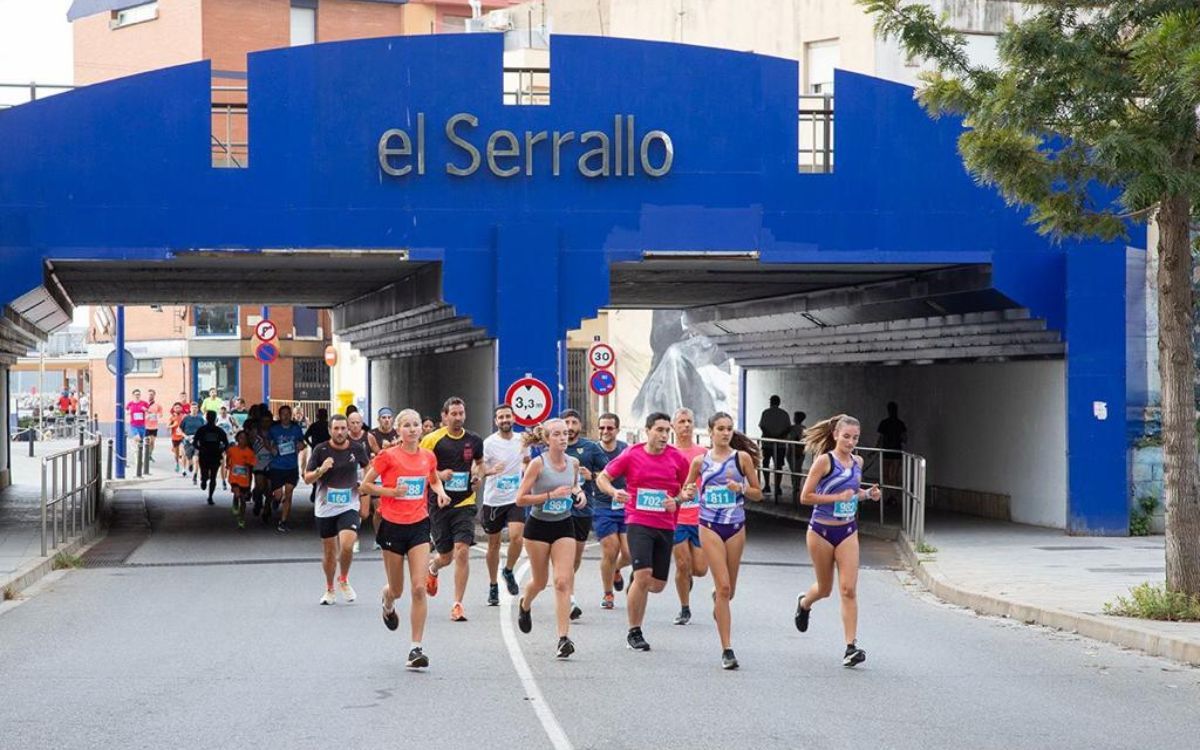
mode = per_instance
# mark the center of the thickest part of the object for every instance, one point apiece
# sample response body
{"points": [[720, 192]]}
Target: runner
{"points": [[460, 462], [384, 435], [225, 422], [211, 442], [426, 426], [258, 424], [503, 457], [314, 435], [609, 516], [192, 422], [333, 468], [286, 438], [238, 414], [689, 557], [154, 412], [408, 471], [550, 488], [137, 415], [240, 460], [833, 487], [213, 403], [654, 474], [578, 448], [727, 476], [359, 436], [175, 424], [187, 405]]}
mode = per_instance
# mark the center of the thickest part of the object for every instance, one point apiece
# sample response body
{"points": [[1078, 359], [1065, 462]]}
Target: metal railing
{"points": [[524, 86], [899, 475], [309, 407], [14, 94], [71, 488], [815, 133]]}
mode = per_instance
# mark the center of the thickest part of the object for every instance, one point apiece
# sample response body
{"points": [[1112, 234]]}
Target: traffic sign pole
{"points": [[266, 369], [120, 385]]}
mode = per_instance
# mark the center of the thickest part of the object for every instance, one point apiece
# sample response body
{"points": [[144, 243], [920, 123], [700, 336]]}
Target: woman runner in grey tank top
{"points": [[550, 487]]}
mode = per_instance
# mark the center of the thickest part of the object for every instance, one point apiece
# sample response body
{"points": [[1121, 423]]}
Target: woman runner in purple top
{"points": [[833, 487], [724, 478]]}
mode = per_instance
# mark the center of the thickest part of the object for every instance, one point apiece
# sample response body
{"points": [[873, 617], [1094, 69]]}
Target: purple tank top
{"points": [[718, 504], [838, 479]]}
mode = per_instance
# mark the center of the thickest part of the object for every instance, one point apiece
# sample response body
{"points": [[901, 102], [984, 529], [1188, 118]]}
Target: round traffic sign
{"points": [[265, 330], [530, 401], [128, 361], [602, 382], [602, 356], [331, 356], [266, 352]]}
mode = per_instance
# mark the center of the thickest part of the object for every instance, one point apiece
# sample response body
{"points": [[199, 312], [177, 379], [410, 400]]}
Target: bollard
{"points": [[29, 439], [140, 458], [109, 466], [146, 470]]}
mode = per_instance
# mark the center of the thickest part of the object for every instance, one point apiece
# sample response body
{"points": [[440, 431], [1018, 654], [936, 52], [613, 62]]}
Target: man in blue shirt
{"points": [[286, 437], [609, 521]]}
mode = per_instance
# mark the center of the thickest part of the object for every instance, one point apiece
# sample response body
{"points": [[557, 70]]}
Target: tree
{"points": [[1090, 121]]}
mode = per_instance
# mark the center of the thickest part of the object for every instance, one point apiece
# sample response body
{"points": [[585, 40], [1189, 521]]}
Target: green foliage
{"points": [[66, 560], [1141, 514], [926, 549], [1155, 602], [1086, 94]]}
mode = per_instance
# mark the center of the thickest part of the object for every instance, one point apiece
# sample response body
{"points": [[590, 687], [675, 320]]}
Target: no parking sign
{"points": [[530, 401]]}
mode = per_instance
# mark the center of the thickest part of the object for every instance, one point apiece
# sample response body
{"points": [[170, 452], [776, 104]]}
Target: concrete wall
{"points": [[424, 382], [987, 427]]}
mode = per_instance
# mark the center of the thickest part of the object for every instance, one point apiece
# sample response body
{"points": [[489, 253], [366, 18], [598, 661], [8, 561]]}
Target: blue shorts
{"points": [[604, 524], [137, 430], [688, 533]]}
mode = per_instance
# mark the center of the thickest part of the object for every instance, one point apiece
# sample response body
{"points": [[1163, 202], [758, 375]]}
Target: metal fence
{"points": [[899, 475], [816, 133], [307, 406], [71, 488]]}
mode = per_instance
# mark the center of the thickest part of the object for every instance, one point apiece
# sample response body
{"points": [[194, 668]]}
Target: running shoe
{"points": [[348, 593], [390, 618], [636, 641], [854, 655], [576, 612], [210, 501], [728, 660], [524, 617], [607, 602], [257, 509], [328, 597], [431, 582], [193, 477], [203, 485], [241, 523], [618, 580], [283, 528], [565, 648], [802, 615], [457, 613], [510, 581], [376, 547], [684, 616], [417, 659], [494, 595], [355, 548]]}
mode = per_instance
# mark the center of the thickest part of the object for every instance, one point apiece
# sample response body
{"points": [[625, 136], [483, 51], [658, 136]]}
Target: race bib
{"points": [[719, 497], [651, 500], [557, 505], [508, 482], [338, 497], [693, 503], [459, 481], [287, 447], [241, 471], [846, 508], [137, 417], [414, 487], [617, 504]]}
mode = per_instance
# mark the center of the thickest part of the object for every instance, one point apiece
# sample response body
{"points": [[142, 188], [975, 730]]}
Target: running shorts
{"points": [[399, 538], [650, 548], [537, 530], [451, 526], [583, 527], [331, 526], [494, 518]]}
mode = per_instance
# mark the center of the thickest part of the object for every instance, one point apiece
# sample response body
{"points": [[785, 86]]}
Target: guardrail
{"points": [[897, 473], [71, 488], [308, 407]]}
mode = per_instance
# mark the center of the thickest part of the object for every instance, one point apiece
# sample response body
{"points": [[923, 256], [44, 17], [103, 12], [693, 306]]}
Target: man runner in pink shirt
{"points": [[137, 414], [654, 475]]}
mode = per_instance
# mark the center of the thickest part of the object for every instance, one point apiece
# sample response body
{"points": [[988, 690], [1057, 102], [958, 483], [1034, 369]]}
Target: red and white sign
{"points": [[331, 356], [530, 401], [265, 330], [602, 356]]}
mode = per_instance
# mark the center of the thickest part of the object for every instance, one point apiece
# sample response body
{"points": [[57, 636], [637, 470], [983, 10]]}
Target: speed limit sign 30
{"points": [[530, 401], [602, 356]]}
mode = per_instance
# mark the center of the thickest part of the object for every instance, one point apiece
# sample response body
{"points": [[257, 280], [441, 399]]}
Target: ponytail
{"points": [[738, 442], [822, 437], [533, 436]]}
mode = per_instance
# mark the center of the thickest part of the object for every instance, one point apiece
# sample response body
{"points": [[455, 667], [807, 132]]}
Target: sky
{"points": [[35, 45]]}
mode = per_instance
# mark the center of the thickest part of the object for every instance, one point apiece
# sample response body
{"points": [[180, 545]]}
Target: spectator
{"points": [[774, 424], [64, 402], [795, 454], [893, 436]]}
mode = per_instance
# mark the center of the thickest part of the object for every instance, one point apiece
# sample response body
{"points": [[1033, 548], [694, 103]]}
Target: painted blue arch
{"points": [[122, 170]]}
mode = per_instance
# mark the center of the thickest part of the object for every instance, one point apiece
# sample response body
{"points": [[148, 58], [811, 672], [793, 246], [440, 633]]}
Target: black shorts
{"points": [[283, 477], [583, 527], [650, 548], [331, 526], [537, 530], [152, 433], [494, 518], [452, 526], [399, 538], [176, 441]]}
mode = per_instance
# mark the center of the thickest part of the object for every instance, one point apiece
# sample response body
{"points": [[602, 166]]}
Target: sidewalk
{"points": [[1044, 577]]}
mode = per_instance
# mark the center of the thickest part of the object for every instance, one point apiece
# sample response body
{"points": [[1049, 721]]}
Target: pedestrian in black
{"points": [[211, 443], [795, 451], [774, 425], [893, 437]]}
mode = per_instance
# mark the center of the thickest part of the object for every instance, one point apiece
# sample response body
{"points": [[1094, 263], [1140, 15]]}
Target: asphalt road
{"points": [[207, 637]]}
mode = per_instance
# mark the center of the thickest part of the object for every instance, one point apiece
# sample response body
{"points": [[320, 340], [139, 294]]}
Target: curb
{"points": [[37, 569], [1119, 632]]}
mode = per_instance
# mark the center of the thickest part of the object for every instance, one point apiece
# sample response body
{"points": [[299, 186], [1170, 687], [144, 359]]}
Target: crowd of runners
{"points": [[422, 489]]}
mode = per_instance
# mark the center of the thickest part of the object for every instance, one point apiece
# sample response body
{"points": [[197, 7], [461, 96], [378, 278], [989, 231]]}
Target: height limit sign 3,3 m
{"points": [[530, 401]]}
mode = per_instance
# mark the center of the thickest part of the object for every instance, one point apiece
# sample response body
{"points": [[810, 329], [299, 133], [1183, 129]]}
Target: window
{"points": [[216, 320], [310, 379], [135, 14], [215, 372], [147, 366], [304, 22], [305, 321], [577, 383], [820, 58]]}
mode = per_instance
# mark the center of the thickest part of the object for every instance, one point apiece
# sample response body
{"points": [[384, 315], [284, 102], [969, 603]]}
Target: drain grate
{"points": [[128, 529]]}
